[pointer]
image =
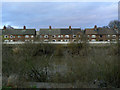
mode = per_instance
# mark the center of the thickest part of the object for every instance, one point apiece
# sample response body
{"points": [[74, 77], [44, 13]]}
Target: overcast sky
{"points": [[58, 14]]}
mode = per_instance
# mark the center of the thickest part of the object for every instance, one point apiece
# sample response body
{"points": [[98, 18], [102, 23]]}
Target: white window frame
{"points": [[32, 36], [93, 40], [45, 36], [114, 36], [66, 40], [88, 36], [40, 36], [19, 36], [74, 36], [54, 36], [46, 40], [74, 40], [66, 36], [53, 40], [26, 40], [6, 40], [11, 36], [108, 36], [11, 40], [5, 36], [113, 40], [26, 36], [59, 36], [93, 36]]}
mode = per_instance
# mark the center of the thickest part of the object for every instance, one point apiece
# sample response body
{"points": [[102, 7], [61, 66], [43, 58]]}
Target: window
{"points": [[113, 36], [27, 40], [108, 36], [66, 36], [79, 40], [11, 36], [93, 36], [26, 36], [6, 40], [113, 40], [54, 36], [66, 40], [40, 36], [5, 36], [59, 40], [54, 40], [74, 40], [74, 36], [101, 40], [88, 36], [45, 40], [19, 36], [45, 36], [32, 36], [100, 36], [93, 40], [11, 40], [59, 36]]}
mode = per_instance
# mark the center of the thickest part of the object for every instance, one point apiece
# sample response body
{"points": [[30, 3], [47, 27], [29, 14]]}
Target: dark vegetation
{"points": [[72, 63]]}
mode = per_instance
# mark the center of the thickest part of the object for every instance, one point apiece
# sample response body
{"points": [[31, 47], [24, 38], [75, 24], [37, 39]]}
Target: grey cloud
{"points": [[38, 15]]}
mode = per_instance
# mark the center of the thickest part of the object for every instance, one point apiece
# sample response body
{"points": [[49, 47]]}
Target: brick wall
{"points": [[64, 38], [19, 37]]}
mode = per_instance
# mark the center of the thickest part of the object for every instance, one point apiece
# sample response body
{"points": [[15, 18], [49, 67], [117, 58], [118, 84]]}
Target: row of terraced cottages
{"points": [[60, 34], [18, 35]]}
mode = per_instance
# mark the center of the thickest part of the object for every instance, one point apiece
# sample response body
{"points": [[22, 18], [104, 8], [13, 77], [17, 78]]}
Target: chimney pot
{"points": [[69, 27], [4, 27], [24, 27], [95, 26], [115, 27], [50, 27]]}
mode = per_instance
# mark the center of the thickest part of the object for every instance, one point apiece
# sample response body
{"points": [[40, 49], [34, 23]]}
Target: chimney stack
{"points": [[4, 27], [95, 27], [24, 27], [115, 27], [50, 27], [69, 27]]}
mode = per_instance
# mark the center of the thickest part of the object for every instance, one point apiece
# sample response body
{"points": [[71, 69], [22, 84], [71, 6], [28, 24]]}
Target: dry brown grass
{"points": [[62, 63]]}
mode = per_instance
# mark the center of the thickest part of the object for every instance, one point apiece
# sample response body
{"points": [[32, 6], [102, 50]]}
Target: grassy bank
{"points": [[72, 63]]}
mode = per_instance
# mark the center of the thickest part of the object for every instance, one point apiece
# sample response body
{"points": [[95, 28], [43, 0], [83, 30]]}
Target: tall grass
{"points": [[62, 63]]}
